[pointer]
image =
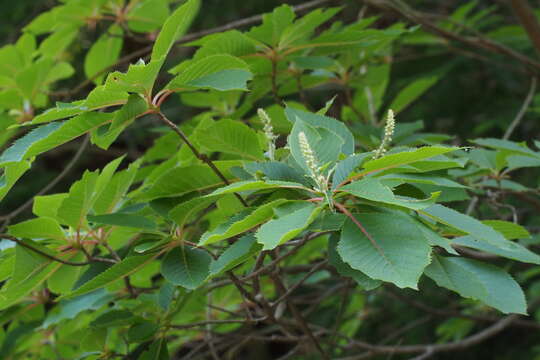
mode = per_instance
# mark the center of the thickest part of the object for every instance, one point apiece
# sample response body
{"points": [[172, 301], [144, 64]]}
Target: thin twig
{"points": [[522, 110], [42, 253], [199, 155]]}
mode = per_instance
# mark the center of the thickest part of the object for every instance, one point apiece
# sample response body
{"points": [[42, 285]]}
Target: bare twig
{"points": [[528, 20], [42, 253], [197, 154], [522, 110], [478, 42]]}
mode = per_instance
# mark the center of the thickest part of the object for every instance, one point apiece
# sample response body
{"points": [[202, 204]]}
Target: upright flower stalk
{"points": [[315, 171], [268, 132], [388, 133]]}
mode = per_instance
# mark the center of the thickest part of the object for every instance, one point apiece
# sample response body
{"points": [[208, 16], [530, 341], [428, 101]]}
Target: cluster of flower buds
{"points": [[388, 133], [268, 132], [312, 164]]}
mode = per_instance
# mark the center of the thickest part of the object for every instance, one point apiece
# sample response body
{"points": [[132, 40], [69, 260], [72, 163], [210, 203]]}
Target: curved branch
{"points": [[41, 252]]}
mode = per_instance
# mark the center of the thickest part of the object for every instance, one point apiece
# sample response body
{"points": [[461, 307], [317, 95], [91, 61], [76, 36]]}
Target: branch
{"points": [[198, 155], [523, 109], [528, 20], [41, 252], [476, 42]]}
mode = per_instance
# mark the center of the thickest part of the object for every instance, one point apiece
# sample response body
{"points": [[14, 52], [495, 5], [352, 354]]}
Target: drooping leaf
{"points": [[123, 219], [187, 267], [118, 271], [12, 173], [242, 222], [372, 189], [466, 224], [395, 250], [235, 254], [254, 185], [474, 279], [508, 229], [49, 136], [512, 250], [346, 270]]}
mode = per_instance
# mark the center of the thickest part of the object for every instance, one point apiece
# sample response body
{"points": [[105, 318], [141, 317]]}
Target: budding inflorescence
{"points": [[312, 164], [268, 132], [388, 133]]}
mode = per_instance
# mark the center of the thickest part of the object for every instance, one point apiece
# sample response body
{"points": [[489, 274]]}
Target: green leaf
{"points": [[254, 185], [326, 145], [103, 53], [401, 178], [506, 145], [182, 180], [43, 227], [242, 222], [113, 318], [406, 157], [66, 276], [219, 72], [157, 351], [116, 188], [344, 269], [186, 266], [325, 122], [148, 15], [476, 280], [48, 205], [118, 271], [467, 224], [394, 252], [345, 167], [412, 92], [512, 250], [47, 137], [30, 270], [230, 137], [278, 171], [508, 229], [174, 27], [181, 213], [235, 254], [273, 25], [12, 173], [304, 27], [370, 188], [123, 219], [78, 203], [284, 228], [139, 78]]}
